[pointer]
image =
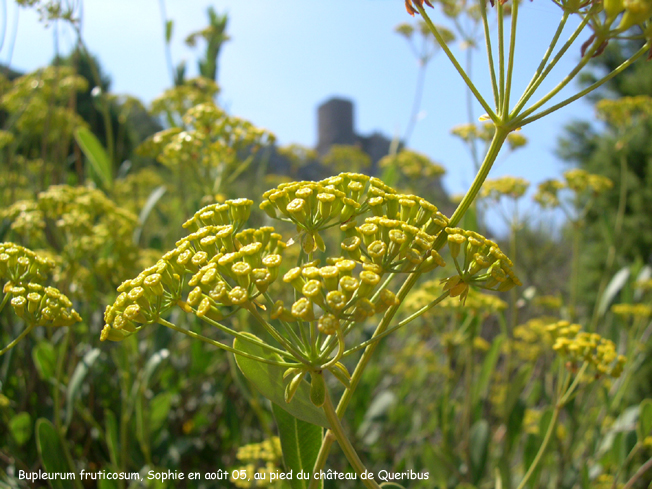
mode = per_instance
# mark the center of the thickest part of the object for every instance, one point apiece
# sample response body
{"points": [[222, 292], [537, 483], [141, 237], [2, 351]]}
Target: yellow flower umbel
{"points": [[580, 347], [260, 460], [480, 262], [23, 273]]}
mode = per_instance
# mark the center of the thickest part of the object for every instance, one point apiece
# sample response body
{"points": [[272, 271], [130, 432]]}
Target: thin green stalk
{"points": [[25, 332], [456, 64], [540, 74], [399, 325], [343, 441], [490, 56], [639, 473], [553, 422], [277, 336], [293, 336], [510, 61], [222, 346], [589, 89], [246, 338], [575, 270], [501, 56], [565, 81]]}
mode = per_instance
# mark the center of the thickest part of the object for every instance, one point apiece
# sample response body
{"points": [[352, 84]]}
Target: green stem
{"points": [[501, 56], [639, 473], [456, 64], [25, 332], [539, 75], [565, 81], [542, 448], [510, 61], [343, 441], [490, 56], [590, 88], [293, 336], [399, 325], [277, 336], [244, 337], [222, 346], [575, 270]]}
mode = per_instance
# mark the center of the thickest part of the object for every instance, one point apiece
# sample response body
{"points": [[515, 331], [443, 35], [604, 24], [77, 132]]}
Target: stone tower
{"points": [[335, 124]]}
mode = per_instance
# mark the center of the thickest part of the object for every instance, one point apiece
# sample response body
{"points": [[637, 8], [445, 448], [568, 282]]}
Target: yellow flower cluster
{"points": [[90, 232], [25, 272], [341, 158], [413, 165], [207, 138], [627, 311], [483, 265], [579, 346], [178, 100], [471, 132], [513, 187], [552, 302], [39, 102], [229, 268], [577, 180], [336, 292], [268, 451], [624, 111], [262, 459], [532, 338]]}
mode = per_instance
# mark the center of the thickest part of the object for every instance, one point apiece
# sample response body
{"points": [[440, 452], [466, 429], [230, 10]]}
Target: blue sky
{"points": [[287, 56]]}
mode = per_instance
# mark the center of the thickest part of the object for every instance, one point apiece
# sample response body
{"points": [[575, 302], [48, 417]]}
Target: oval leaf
{"points": [[77, 379], [268, 380], [147, 209], [645, 420], [300, 442], [45, 359], [50, 452], [617, 282], [479, 448], [96, 155]]}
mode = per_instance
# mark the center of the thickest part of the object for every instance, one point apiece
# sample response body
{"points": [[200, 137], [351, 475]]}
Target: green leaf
{"points": [[147, 209], [159, 408], [45, 359], [112, 436], [78, 376], [152, 364], [617, 282], [20, 427], [391, 485], [300, 442], [515, 423], [50, 451], [268, 380], [96, 155], [488, 366], [645, 420], [479, 448], [532, 444]]}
